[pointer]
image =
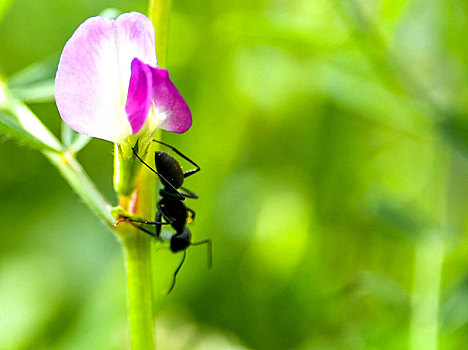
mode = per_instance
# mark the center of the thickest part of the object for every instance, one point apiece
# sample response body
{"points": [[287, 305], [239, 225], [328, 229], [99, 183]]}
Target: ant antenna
{"points": [[209, 250], [176, 272], [162, 177]]}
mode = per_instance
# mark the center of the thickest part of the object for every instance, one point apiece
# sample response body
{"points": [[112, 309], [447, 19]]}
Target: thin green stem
{"points": [[77, 178], [159, 13], [429, 258]]}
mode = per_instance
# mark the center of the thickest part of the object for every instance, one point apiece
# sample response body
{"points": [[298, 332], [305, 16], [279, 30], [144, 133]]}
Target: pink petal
{"points": [[94, 72], [135, 38], [140, 91], [169, 104]]}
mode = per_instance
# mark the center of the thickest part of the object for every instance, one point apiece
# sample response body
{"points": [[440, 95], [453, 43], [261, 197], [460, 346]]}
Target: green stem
{"points": [[137, 253], [429, 258], [137, 245], [159, 13], [72, 171]]}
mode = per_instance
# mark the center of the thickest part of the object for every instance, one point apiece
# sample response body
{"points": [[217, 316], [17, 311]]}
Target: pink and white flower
{"points": [[108, 84]]}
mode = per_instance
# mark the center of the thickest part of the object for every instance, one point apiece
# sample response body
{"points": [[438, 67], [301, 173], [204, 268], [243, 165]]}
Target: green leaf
{"points": [[407, 221], [383, 288], [4, 7], [67, 135], [35, 83], [36, 93], [454, 311], [37, 72], [18, 121], [73, 140], [79, 142], [10, 126], [455, 129]]}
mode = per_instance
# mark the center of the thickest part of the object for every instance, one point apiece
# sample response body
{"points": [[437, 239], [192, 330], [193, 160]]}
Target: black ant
{"points": [[171, 207]]}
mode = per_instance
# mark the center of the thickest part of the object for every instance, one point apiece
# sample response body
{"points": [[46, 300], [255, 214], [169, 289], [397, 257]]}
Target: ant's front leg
{"points": [[158, 218], [134, 218], [149, 222], [158, 222], [143, 229]]}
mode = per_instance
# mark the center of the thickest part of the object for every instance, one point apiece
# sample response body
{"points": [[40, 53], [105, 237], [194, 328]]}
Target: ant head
{"points": [[181, 241], [169, 168]]}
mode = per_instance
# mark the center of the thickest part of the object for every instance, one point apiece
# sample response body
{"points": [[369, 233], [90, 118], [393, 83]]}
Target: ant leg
{"points": [[187, 173], [188, 194], [179, 196], [209, 248], [176, 272], [158, 218], [192, 212], [144, 230], [149, 222], [157, 222]]}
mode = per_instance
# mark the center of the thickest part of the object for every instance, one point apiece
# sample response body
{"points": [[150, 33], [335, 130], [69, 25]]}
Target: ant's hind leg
{"points": [[187, 173], [192, 215], [209, 249]]}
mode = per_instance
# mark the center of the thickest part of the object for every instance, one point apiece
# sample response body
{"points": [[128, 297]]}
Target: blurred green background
{"points": [[333, 142]]}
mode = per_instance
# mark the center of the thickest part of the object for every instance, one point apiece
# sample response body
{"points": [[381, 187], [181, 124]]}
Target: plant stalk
{"points": [[137, 244], [137, 253]]}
